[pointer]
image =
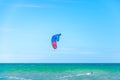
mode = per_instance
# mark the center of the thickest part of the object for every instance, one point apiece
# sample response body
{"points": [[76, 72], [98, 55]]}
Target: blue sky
{"points": [[90, 31]]}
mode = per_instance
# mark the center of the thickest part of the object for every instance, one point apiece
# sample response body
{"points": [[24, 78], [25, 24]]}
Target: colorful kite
{"points": [[55, 39]]}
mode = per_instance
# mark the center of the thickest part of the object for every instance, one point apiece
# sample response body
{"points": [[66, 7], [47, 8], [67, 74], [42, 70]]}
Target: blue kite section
{"points": [[56, 37]]}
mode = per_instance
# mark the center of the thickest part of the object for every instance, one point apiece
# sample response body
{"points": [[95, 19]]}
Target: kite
{"points": [[55, 39]]}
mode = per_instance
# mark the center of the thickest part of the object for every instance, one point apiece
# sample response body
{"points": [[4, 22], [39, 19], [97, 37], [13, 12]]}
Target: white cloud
{"points": [[5, 58], [66, 49], [75, 51], [21, 58]]}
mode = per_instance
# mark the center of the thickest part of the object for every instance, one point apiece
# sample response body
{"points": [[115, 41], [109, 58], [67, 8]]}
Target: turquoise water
{"points": [[59, 71]]}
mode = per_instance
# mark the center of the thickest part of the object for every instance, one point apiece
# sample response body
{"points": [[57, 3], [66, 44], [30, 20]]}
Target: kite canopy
{"points": [[55, 39]]}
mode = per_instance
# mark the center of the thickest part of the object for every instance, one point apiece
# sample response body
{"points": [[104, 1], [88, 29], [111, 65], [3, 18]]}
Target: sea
{"points": [[59, 71]]}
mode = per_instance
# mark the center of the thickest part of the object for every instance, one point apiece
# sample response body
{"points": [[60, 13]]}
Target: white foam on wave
{"points": [[85, 74], [77, 75], [67, 76], [16, 78]]}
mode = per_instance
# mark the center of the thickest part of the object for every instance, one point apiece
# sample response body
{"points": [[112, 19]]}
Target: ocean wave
{"points": [[15, 78], [85, 74], [77, 75]]}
